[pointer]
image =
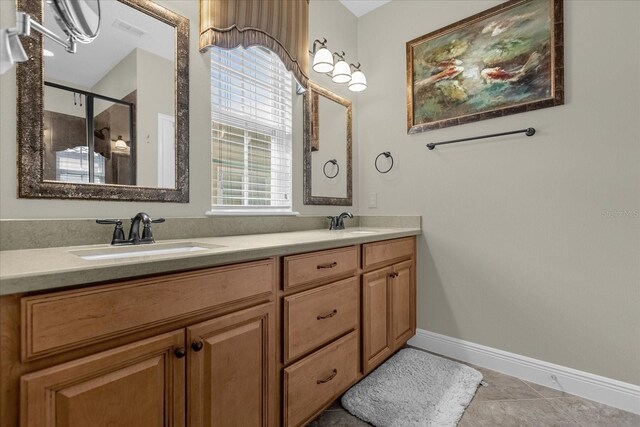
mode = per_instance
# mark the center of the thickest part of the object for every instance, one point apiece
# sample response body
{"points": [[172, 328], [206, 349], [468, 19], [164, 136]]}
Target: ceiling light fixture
{"points": [[340, 71]]}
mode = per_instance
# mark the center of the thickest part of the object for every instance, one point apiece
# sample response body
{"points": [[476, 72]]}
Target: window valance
{"points": [[280, 25]]}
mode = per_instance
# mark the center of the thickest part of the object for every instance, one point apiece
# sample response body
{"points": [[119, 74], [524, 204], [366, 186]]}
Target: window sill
{"points": [[241, 212]]}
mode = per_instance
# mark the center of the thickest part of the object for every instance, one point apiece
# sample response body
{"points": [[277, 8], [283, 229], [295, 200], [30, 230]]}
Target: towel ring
{"points": [[324, 168], [387, 154]]}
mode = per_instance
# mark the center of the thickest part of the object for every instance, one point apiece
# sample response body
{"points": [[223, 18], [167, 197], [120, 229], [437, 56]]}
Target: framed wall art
{"points": [[504, 60]]}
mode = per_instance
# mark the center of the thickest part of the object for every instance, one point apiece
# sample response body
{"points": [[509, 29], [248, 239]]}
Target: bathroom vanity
{"points": [[271, 339]]}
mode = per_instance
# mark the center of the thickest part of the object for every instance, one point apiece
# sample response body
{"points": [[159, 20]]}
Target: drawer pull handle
{"points": [[197, 345], [180, 352], [329, 378], [328, 315], [327, 265]]}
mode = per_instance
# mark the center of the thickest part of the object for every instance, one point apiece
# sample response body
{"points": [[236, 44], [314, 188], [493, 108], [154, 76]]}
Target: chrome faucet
{"points": [[134, 231], [337, 222]]}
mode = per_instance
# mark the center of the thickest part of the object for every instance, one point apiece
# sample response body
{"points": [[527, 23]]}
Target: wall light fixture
{"points": [[323, 58], [358, 81], [340, 71]]}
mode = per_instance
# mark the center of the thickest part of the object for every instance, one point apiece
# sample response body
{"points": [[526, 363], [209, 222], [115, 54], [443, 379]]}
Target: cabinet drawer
{"points": [[378, 254], [318, 379], [56, 322], [315, 317], [318, 266]]}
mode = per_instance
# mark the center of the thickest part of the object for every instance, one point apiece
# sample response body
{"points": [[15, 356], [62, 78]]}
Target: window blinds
{"points": [[251, 118]]}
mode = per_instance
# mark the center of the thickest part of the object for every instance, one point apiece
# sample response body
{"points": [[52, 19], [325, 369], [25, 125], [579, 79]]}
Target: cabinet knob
{"points": [[180, 352], [393, 275], [197, 345]]}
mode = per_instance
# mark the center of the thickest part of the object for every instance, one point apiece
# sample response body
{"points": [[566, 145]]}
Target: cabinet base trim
{"points": [[605, 390]]}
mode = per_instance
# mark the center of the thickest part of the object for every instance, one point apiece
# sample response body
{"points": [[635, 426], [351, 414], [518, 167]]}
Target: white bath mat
{"points": [[414, 388]]}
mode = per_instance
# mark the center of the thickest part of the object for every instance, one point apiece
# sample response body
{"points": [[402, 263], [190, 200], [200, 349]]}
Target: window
{"points": [[251, 94], [72, 165]]}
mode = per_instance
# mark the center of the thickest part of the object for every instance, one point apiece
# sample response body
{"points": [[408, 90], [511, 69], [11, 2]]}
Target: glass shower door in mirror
{"points": [[114, 137], [77, 150]]}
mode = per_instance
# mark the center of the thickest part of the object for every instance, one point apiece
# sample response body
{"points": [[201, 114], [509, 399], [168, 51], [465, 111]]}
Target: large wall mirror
{"points": [[111, 121], [327, 148]]}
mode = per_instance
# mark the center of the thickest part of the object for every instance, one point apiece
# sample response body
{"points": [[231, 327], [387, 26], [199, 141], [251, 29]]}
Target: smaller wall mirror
{"points": [[327, 148]]}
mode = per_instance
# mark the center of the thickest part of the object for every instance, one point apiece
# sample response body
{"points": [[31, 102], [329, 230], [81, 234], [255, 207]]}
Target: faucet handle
{"points": [[334, 220], [118, 232], [146, 231], [109, 221]]}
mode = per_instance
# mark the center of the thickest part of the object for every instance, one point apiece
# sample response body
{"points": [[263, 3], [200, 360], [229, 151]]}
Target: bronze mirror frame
{"points": [[311, 143], [30, 124]]}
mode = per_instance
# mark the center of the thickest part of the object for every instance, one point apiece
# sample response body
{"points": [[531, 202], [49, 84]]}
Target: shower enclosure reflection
{"points": [[100, 150]]}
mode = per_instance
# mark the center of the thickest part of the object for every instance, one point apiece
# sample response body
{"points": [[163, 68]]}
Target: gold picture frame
{"points": [[502, 61]]}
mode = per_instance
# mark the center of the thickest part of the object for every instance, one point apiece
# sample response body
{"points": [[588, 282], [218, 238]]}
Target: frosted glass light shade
{"points": [[323, 61], [341, 72], [358, 81], [120, 144]]}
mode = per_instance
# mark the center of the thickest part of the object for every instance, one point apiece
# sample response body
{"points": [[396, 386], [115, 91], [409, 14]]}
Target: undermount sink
{"points": [[360, 231], [123, 252]]}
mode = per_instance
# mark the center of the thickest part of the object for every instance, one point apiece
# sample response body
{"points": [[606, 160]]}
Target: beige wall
{"points": [[155, 88], [330, 19], [521, 248], [119, 82]]}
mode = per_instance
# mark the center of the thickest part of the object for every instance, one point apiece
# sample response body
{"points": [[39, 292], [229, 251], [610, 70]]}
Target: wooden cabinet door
{"points": [[231, 370], [136, 385], [376, 320], [403, 303]]}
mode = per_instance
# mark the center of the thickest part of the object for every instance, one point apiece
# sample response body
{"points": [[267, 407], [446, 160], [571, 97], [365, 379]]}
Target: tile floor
{"points": [[511, 402]]}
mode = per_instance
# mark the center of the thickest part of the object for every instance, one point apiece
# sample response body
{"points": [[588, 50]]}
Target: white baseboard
{"points": [[590, 386]]}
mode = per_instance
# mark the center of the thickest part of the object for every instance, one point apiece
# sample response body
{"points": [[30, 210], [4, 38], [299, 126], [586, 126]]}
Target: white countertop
{"points": [[31, 270]]}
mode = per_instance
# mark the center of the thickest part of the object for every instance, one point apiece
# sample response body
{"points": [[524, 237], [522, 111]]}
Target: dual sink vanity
{"points": [[263, 329]]}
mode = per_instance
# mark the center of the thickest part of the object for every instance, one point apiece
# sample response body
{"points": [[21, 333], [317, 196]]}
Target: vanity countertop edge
{"points": [[32, 270]]}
